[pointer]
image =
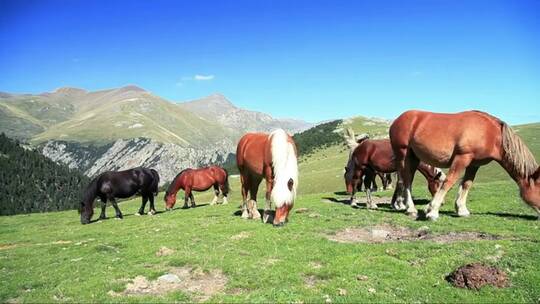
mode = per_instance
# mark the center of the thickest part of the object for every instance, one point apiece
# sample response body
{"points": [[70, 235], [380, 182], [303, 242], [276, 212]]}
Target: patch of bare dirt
{"points": [[476, 275], [387, 233], [194, 281], [164, 251], [240, 236], [311, 281], [7, 246]]}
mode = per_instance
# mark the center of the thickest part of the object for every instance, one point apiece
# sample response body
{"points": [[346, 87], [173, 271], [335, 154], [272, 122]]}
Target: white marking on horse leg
{"points": [[225, 202], [432, 209], [461, 201], [214, 201], [411, 209], [267, 207], [245, 212], [254, 211], [370, 204], [354, 201]]}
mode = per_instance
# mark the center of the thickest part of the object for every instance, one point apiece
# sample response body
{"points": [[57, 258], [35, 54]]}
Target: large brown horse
{"points": [[272, 157], [202, 179], [462, 142], [368, 156]]}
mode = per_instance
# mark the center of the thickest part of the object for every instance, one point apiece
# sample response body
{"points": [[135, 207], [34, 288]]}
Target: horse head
{"points": [[86, 210], [529, 189], [170, 200]]}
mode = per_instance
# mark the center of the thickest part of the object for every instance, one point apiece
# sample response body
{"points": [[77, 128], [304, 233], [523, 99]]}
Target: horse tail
{"points": [[516, 154], [226, 187], [155, 182], [285, 168]]}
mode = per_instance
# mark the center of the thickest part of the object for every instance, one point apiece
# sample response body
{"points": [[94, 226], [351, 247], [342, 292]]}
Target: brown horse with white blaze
{"points": [[202, 179], [368, 156], [272, 157], [462, 142]]}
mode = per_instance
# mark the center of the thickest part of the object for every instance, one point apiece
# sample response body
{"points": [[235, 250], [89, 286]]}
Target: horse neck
{"points": [[509, 167], [175, 185]]}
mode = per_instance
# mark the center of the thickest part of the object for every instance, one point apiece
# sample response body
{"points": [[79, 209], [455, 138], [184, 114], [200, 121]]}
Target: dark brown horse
{"points": [[368, 156], [462, 142], [122, 184], [272, 157], [202, 179]]}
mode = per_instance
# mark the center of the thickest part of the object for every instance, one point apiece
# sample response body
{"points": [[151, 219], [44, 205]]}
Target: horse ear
{"points": [[290, 184]]}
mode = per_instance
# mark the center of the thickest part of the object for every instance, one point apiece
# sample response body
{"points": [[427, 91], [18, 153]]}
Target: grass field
{"points": [[53, 258]]}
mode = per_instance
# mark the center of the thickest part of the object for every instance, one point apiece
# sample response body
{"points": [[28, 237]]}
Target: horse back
{"points": [[436, 137]]}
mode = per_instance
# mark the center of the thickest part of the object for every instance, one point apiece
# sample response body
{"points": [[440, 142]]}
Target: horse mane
{"points": [[169, 189], [516, 154], [285, 167]]}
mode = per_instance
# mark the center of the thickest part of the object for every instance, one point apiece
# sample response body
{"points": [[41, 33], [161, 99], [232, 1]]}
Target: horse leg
{"points": [[362, 179], [143, 205], [370, 176], [216, 194], [192, 199], [245, 188], [466, 183], [187, 192], [268, 201], [152, 210], [397, 197], [409, 168], [223, 193], [103, 207], [252, 204], [115, 205], [458, 165]]}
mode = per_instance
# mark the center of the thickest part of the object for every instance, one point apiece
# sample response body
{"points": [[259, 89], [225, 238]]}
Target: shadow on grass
{"points": [[345, 201], [261, 211]]}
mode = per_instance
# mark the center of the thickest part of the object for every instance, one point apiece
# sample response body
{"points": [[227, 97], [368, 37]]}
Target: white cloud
{"points": [[203, 77]]}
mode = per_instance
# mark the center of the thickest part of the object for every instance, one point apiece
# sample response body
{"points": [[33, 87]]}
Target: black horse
{"points": [[122, 184]]}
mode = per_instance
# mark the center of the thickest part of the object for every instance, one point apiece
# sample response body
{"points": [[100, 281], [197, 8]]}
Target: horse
{"points": [[368, 156], [201, 179], [461, 142], [272, 157], [122, 184]]}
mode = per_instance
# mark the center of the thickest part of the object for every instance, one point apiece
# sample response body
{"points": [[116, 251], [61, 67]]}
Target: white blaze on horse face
{"points": [[285, 167]]}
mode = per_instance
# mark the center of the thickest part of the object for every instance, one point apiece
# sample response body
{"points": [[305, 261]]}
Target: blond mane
{"points": [[516, 154]]}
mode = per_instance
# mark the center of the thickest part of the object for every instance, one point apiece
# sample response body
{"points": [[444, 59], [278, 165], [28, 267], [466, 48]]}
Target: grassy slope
{"points": [[157, 119], [272, 264]]}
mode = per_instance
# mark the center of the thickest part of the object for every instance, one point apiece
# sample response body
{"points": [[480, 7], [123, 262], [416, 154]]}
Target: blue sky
{"points": [[313, 60]]}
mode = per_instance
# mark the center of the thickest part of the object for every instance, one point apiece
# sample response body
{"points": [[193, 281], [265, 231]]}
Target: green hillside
{"points": [[103, 116], [30, 182]]}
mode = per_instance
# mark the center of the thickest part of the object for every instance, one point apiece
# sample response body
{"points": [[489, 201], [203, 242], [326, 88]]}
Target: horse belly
{"points": [[438, 156]]}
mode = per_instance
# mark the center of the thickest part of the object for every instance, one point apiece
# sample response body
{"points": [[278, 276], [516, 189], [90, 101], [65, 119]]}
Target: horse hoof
{"points": [[279, 224], [432, 217], [374, 207], [412, 214], [152, 212], [464, 214]]}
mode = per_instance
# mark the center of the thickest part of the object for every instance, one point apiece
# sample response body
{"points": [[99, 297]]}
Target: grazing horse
{"points": [[122, 184], [272, 157], [202, 179], [368, 156], [463, 142]]}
